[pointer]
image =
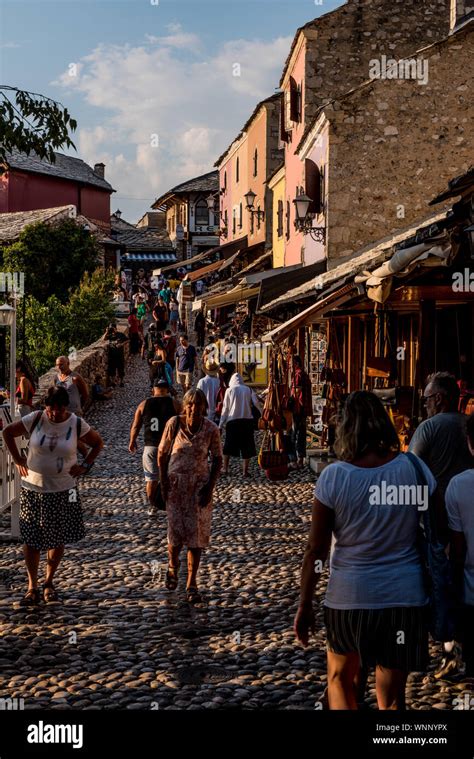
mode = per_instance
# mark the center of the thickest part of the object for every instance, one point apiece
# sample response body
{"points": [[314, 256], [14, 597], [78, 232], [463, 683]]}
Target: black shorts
{"points": [[395, 638], [239, 439]]}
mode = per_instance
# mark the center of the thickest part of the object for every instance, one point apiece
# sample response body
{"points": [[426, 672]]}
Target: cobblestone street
{"points": [[119, 639]]}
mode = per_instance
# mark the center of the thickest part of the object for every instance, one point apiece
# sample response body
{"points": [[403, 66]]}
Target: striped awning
{"points": [[164, 258]]}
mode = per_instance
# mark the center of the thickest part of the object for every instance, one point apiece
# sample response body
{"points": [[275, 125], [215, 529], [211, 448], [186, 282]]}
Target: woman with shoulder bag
{"points": [[50, 506]]}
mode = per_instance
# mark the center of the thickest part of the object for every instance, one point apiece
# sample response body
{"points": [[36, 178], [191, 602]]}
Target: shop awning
{"points": [[257, 262], [287, 278], [204, 271], [311, 314], [230, 261], [192, 260], [230, 297], [151, 257]]}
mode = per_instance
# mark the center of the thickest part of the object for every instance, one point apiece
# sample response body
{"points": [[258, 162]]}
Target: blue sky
{"points": [[151, 85]]}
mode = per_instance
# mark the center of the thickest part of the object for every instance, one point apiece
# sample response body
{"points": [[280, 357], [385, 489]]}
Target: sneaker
{"points": [[451, 665]]}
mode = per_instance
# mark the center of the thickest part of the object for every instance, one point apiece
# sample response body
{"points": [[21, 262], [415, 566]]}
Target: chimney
{"points": [[118, 213], [99, 169], [460, 11]]}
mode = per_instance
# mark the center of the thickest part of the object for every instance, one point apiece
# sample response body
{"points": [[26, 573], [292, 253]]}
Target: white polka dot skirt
{"points": [[50, 520]]}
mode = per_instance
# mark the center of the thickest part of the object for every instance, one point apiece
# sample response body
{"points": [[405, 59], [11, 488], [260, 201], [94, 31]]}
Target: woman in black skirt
{"points": [[50, 507]]}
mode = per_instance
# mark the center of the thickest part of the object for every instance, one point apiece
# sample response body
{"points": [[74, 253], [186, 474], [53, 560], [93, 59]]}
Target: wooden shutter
{"points": [[313, 185], [294, 98]]}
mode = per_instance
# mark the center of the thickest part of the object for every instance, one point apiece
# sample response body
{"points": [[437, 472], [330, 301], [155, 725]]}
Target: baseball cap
{"points": [[161, 383]]}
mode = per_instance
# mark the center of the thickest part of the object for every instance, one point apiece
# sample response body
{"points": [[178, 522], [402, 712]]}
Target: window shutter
{"points": [[313, 185], [283, 132], [294, 97], [287, 109]]}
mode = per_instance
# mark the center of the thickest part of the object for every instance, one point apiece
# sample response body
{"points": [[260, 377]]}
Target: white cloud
{"points": [[194, 104], [9, 45]]}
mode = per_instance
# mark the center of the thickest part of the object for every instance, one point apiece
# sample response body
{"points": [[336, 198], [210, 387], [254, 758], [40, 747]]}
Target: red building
{"points": [[31, 183]]}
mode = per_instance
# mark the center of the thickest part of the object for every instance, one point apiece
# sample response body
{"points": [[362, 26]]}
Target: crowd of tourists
{"points": [[397, 528]]}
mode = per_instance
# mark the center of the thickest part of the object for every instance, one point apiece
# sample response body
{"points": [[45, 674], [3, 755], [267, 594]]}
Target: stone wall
{"points": [[90, 361], [341, 44], [395, 144]]}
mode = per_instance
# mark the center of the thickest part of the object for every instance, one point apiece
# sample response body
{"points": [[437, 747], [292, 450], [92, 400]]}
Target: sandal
{"points": [[31, 598], [50, 594], [193, 595], [172, 577]]}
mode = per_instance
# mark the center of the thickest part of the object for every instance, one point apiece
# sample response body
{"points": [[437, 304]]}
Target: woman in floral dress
{"points": [[187, 484]]}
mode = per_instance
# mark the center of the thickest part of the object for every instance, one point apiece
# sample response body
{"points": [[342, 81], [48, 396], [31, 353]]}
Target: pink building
{"points": [[329, 56]]}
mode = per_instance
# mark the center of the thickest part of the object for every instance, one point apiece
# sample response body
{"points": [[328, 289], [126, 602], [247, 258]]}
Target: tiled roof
{"points": [[205, 183], [120, 225], [66, 167], [12, 224], [144, 239]]}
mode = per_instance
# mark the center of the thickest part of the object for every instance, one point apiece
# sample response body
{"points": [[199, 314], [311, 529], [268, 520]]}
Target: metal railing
{"points": [[9, 480]]}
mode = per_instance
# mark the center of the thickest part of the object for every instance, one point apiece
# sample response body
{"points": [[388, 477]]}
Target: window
{"points": [[295, 101], [234, 221], [237, 169], [241, 218], [225, 181], [216, 212], [280, 219], [258, 217], [287, 219], [255, 162], [202, 213], [252, 223], [313, 186], [226, 219]]}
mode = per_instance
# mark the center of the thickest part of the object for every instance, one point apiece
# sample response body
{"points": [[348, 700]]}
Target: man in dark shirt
{"points": [[441, 441], [185, 363], [152, 414]]}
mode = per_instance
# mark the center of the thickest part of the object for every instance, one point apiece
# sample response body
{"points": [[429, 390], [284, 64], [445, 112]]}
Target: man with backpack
{"points": [[152, 414]]}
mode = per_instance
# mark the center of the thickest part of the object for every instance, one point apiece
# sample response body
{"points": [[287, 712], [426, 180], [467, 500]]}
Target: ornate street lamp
{"points": [[304, 220], [250, 201]]}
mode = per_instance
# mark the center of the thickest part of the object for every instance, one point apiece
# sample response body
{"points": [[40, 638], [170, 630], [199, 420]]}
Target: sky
{"points": [[153, 84]]}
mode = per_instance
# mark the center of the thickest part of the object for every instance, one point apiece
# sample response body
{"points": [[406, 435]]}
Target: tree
{"points": [[32, 122], [53, 328], [53, 257], [90, 308]]}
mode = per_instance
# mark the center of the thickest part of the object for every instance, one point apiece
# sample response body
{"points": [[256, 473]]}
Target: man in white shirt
{"points": [[238, 420], [210, 387]]}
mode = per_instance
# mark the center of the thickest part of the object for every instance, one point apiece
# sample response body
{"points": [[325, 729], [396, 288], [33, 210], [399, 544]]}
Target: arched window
{"points": [[241, 218], [225, 181], [237, 169], [255, 162], [201, 212]]}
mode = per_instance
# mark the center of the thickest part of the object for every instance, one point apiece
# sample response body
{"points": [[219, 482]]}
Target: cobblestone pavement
{"points": [[119, 639]]}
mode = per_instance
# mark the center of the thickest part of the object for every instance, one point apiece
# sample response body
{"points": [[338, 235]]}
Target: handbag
{"points": [[272, 455], [437, 571]]}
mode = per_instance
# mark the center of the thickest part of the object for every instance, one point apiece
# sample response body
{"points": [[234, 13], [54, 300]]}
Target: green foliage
{"points": [[46, 332], [53, 328], [53, 258], [32, 122], [89, 308]]}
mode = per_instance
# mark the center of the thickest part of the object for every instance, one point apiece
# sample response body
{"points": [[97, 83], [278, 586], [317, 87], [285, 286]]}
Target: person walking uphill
{"points": [[50, 506], [237, 418], [376, 584], [187, 484], [152, 414], [73, 383]]}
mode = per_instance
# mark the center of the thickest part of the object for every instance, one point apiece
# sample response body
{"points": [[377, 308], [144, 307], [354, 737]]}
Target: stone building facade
{"points": [[394, 141], [332, 54]]}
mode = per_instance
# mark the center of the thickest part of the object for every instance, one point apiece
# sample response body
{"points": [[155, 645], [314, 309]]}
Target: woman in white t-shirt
{"points": [[50, 507], [375, 604]]}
